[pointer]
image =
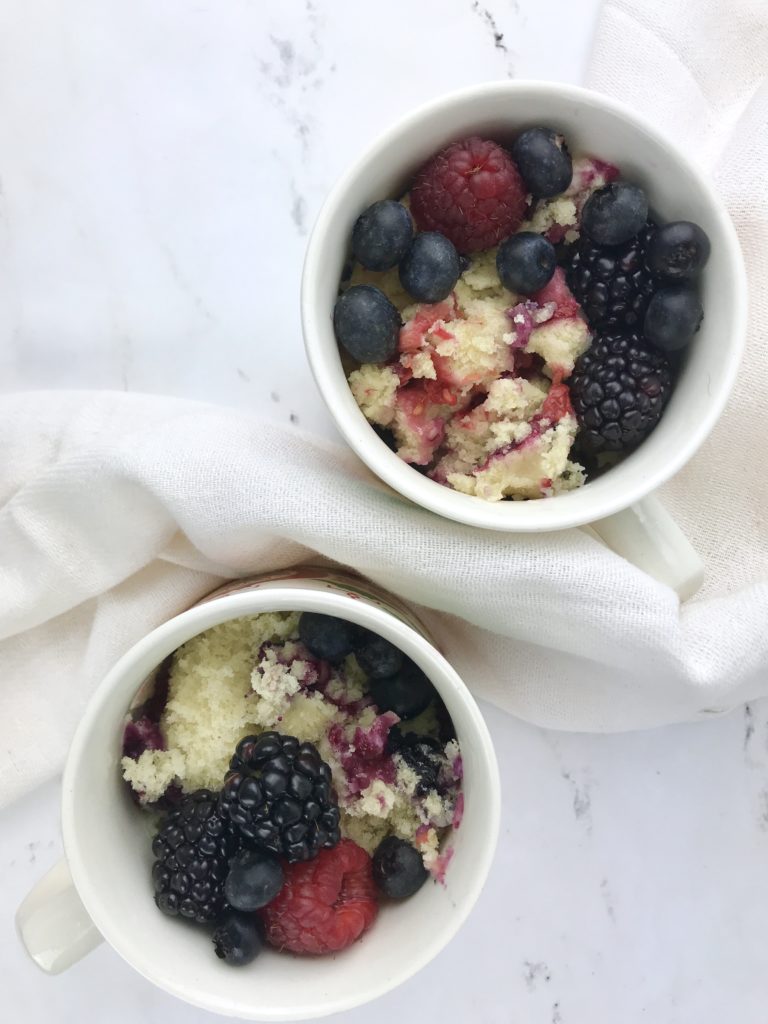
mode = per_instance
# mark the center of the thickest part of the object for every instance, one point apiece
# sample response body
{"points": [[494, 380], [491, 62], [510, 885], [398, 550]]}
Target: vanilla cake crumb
{"points": [[153, 772], [374, 388], [560, 342], [458, 398]]}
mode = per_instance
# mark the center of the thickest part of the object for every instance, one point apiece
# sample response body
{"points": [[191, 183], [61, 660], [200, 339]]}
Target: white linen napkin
{"points": [[118, 510]]}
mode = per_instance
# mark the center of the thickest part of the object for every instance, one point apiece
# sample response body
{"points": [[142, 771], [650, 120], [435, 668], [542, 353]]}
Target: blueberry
{"points": [[377, 657], [398, 869], [678, 251], [544, 161], [237, 939], [614, 214], [382, 234], [326, 636], [526, 262], [366, 323], [424, 755], [430, 268], [255, 878], [397, 740], [407, 694], [673, 316]]}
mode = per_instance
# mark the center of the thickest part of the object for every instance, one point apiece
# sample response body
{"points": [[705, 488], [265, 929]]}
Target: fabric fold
{"points": [[119, 510]]}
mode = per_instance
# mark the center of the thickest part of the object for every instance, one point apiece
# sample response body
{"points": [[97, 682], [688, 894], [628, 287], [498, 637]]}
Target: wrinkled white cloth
{"points": [[118, 510]]}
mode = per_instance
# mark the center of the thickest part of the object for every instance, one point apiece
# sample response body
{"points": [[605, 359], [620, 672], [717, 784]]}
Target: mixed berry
{"points": [[514, 318], [263, 857]]}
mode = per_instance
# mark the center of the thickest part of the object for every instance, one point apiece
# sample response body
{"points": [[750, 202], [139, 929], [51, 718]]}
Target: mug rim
{"points": [[573, 508], [168, 636]]}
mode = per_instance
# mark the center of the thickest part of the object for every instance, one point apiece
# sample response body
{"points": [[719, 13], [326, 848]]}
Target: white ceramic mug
{"points": [[618, 505], [104, 889]]}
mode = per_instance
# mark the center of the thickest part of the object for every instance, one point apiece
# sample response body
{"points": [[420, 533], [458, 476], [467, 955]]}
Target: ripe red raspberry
{"points": [[471, 192], [325, 904]]}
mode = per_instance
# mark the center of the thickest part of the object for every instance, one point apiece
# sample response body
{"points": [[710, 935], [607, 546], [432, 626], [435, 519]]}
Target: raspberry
{"points": [[472, 193], [557, 404], [325, 904]]}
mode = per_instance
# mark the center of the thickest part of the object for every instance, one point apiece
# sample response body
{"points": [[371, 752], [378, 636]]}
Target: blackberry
{"points": [[192, 851], [619, 388], [278, 795], [613, 285]]}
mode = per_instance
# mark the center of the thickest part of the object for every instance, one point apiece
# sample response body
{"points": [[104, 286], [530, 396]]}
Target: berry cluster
{"points": [[263, 860], [634, 280], [468, 198]]}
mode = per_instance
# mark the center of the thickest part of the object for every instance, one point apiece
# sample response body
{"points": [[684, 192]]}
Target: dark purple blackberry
{"points": [[613, 285], [619, 388], [278, 795], [192, 851]]}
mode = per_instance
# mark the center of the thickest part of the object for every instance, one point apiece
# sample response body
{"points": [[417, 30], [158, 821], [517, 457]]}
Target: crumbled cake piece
{"points": [[374, 388], [209, 707], [471, 374], [388, 281], [153, 772], [532, 468], [548, 214], [560, 343]]}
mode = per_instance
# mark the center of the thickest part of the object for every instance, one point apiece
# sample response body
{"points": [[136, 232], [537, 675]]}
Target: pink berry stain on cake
{"points": [[458, 813], [140, 735], [364, 758], [466, 395], [436, 861]]}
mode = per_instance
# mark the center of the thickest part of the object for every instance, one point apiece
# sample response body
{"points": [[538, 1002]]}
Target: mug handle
{"points": [[53, 924], [648, 537]]}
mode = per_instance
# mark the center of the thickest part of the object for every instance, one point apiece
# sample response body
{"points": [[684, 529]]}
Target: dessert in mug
{"points": [[303, 769], [513, 324]]}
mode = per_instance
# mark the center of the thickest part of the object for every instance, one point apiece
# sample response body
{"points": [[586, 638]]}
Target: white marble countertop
{"points": [[161, 163]]}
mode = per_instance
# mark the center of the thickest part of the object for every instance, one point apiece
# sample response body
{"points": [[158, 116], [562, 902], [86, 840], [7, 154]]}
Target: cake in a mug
{"points": [[303, 769], [511, 324]]}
